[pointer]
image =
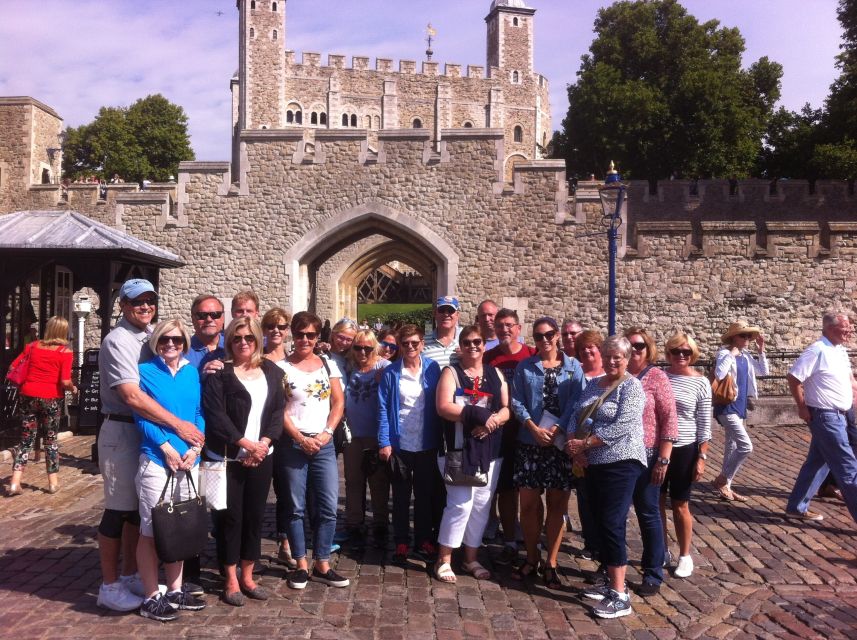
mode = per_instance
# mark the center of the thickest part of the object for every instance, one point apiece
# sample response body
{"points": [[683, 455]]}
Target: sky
{"points": [[79, 55]]}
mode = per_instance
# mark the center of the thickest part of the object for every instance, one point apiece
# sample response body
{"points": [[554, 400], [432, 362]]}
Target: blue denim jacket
{"points": [[528, 392], [388, 405]]}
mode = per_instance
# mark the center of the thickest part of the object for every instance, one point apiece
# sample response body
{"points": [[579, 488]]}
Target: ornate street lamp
{"points": [[612, 195]]}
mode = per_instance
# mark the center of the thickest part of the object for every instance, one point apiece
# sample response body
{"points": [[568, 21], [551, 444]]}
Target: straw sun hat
{"points": [[740, 326]]}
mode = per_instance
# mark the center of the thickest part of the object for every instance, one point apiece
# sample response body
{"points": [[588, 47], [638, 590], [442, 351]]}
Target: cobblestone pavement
{"points": [[758, 575]]}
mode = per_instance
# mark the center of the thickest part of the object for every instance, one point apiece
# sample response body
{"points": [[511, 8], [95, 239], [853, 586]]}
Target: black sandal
{"points": [[552, 578], [525, 570]]}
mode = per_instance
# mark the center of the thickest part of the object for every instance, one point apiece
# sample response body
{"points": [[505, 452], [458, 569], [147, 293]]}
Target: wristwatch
{"points": [[703, 456], [328, 431], [663, 461]]}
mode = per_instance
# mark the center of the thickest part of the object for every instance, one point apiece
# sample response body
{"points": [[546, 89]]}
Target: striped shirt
{"points": [[693, 406]]}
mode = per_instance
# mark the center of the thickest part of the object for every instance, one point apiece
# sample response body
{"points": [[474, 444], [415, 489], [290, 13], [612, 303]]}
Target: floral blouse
{"points": [[308, 395]]}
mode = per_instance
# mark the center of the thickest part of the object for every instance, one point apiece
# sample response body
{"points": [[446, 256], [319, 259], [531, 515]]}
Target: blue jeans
{"points": [[298, 475], [647, 506], [611, 488], [830, 449]]}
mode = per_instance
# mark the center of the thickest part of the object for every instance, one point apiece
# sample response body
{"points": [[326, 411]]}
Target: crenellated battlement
{"points": [[339, 62]]}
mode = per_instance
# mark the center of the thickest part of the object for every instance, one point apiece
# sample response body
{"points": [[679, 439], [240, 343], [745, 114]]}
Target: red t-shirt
{"points": [[507, 363], [47, 368]]}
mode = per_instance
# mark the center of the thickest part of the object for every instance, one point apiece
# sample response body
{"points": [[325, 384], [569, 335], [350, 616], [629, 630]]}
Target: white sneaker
{"points": [[133, 584], [115, 596], [684, 568]]}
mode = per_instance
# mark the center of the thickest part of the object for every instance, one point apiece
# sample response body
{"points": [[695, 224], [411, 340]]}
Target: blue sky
{"points": [[79, 55]]}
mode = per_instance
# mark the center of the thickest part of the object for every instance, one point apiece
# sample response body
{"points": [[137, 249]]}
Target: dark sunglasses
{"points": [[249, 339], [547, 335], [684, 353], [638, 346], [746, 336], [305, 335], [176, 340], [281, 327], [411, 344], [390, 345], [139, 302], [476, 342], [365, 349], [208, 315], [447, 311]]}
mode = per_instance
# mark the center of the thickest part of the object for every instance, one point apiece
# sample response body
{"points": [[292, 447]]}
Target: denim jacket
{"points": [[388, 405], [528, 392]]}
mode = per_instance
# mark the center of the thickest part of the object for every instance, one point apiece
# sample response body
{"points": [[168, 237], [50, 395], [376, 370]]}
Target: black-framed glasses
{"points": [[306, 335], [249, 339], [683, 353], [547, 335], [392, 346], [208, 315], [638, 346], [176, 340], [364, 348], [279, 327], [476, 342], [139, 302]]}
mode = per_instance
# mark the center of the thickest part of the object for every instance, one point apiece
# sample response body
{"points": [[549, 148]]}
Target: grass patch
{"points": [[384, 311]]}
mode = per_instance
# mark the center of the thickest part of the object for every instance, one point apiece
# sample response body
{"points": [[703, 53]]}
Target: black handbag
{"points": [[180, 528]]}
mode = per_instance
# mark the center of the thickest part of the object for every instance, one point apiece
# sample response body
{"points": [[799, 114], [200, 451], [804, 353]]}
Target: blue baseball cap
{"points": [[135, 288], [447, 301]]}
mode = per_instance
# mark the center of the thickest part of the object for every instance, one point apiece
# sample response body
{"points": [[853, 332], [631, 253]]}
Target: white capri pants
{"points": [[150, 481], [467, 509]]}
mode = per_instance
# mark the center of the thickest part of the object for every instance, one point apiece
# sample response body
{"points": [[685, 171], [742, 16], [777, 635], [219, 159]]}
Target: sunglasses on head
{"points": [[638, 346], [305, 335], [684, 353], [249, 339], [279, 327], [392, 346], [139, 302], [475, 342], [206, 315], [547, 335], [176, 340], [364, 348]]}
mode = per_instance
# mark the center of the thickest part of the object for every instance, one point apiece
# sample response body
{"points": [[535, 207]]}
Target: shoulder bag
{"points": [[584, 420], [180, 528], [20, 367], [724, 391], [453, 474]]}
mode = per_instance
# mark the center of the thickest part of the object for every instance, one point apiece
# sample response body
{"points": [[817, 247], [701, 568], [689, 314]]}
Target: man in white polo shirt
{"points": [[823, 386]]}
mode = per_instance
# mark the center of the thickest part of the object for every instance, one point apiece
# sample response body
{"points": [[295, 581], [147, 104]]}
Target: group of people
{"points": [[466, 425]]}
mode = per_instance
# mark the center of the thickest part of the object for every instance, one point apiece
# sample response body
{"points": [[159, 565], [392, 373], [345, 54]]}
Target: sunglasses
{"points": [[684, 353], [447, 311], [638, 346], [411, 344], [208, 315], [365, 349], [279, 327], [139, 302], [249, 339], [306, 335], [176, 340], [476, 342], [390, 345], [547, 335]]}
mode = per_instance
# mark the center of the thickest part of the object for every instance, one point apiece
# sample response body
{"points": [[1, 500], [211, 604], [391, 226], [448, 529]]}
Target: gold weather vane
{"points": [[430, 34]]}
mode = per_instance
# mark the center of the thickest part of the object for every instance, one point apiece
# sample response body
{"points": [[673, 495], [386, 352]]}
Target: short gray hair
{"points": [[832, 318], [616, 343]]}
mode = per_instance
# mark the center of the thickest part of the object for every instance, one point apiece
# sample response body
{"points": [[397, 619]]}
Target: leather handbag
{"points": [[180, 528], [20, 367], [723, 391]]}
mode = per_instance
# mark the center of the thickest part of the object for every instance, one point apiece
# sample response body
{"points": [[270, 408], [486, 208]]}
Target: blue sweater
{"points": [[180, 395], [388, 405]]}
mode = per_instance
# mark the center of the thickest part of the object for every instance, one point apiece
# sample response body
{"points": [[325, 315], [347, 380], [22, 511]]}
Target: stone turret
{"points": [[510, 38], [261, 65]]}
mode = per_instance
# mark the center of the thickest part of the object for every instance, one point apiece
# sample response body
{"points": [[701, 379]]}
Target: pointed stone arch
{"points": [[355, 223]]}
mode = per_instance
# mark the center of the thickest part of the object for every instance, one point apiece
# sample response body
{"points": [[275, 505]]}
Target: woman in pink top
{"points": [[42, 395]]}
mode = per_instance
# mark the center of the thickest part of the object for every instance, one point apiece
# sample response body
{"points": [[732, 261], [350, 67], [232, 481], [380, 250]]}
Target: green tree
{"points": [[663, 95], [836, 161], [790, 144], [144, 141]]}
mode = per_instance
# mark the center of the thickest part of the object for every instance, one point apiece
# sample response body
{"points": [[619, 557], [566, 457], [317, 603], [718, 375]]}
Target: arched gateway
{"points": [[411, 241]]}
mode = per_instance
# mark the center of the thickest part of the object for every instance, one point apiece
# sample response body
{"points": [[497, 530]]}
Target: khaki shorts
{"points": [[150, 481], [118, 461]]}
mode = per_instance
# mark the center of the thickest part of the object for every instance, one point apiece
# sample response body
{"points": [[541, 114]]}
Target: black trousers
{"points": [[421, 476], [239, 525]]}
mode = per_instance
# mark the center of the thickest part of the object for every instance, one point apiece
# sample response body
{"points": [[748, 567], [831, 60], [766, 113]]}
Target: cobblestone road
{"points": [[758, 575]]}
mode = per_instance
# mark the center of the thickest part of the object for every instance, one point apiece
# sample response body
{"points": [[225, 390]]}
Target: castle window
{"points": [[275, 34], [516, 77], [290, 117], [299, 117], [344, 119], [323, 118], [468, 124], [313, 118], [519, 134], [252, 5], [252, 32], [368, 122], [46, 176], [417, 123], [353, 119], [377, 122], [273, 6], [514, 22]]}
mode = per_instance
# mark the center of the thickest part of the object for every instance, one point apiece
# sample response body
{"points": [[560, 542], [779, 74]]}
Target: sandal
{"points": [[738, 497], [552, 578], [444, 573], [476, 570], [725, 493], [525, 570]]}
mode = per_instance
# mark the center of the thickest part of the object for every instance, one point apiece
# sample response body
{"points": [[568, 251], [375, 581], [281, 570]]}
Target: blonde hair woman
{"points": [[42, 394]]}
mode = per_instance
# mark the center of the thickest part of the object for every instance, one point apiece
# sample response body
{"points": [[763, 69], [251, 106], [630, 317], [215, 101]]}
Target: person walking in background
{"points": [[735, 360], [41, 400], [823, 387], [692, 393]]}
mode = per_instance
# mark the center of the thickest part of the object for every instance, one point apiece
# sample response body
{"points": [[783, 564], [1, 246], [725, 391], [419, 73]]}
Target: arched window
{"points": [[344, 119], [353, 119], [275, 34], [367, 122], [323, 118], [417, 123], [46, 176], [313, 118], [516, 78], [468, 124], [514, 22], [252, 32], [290, 117], [519, 134], [377, 122], [252, 5], [299, 117], [273, 6]]}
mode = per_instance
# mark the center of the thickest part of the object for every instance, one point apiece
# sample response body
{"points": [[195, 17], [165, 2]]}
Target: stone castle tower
{"points": [[272, 90]]}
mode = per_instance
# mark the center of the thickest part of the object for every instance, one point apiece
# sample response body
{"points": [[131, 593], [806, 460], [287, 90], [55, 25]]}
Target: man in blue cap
{"points": [[442, 345], [119, 442]]}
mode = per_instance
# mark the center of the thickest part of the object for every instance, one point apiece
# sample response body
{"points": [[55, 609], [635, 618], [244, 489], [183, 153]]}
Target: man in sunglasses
{"points": [[442, 345], [206, 344], [119, 442]]}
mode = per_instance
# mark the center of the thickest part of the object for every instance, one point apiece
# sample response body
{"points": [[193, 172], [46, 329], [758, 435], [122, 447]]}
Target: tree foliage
{"points": [[790, 144], [665, 95], [841, 116], [144, 141]]}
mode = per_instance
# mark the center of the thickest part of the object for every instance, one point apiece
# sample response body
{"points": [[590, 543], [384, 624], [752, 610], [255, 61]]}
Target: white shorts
{"points": [[118, 459], [150, 481]]}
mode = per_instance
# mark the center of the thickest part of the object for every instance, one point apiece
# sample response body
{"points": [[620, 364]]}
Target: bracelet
{"points": [[196, 449]]}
